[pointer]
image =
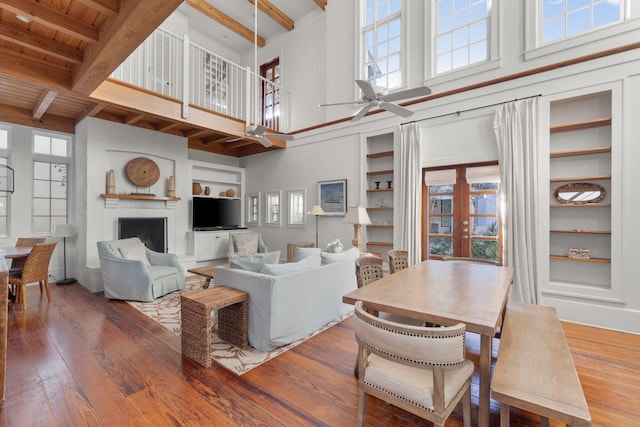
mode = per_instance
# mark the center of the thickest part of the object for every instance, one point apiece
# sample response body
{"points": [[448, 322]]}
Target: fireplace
{"points": [[151, 231]]}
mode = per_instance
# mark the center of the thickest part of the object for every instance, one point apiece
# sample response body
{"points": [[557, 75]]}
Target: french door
{"points": [[461, 212], [271, 94]]}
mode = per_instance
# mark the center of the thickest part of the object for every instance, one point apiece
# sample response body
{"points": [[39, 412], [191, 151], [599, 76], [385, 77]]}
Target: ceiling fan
{"points": [[378, 97], [259, 133]]}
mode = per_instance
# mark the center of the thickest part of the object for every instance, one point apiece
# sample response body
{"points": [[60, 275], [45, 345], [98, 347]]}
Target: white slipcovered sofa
{"points": [[131, 271], [287, 305]]}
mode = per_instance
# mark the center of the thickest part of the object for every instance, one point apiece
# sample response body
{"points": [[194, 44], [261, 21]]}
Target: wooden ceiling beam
{"points": [[133, 118], [24, 117], [43, 103], [108, 7], [205, 8], [33, 70], [274, 13], [119, 37], [39, 44], [321, 3], [52, 19]]}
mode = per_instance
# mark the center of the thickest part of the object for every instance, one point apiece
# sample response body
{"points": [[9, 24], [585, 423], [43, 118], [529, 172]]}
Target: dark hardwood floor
{"points": [[82, 360]]}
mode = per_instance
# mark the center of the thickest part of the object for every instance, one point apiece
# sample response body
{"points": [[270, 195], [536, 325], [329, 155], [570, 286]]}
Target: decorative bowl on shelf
{"points": [[231, 192]]}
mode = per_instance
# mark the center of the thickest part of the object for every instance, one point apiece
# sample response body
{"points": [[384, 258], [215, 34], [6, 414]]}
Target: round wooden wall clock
{"points": [[143, 172]]}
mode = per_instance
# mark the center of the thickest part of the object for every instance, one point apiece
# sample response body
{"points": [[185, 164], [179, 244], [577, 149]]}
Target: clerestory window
{"points": [[560, 19], [382, 55]]}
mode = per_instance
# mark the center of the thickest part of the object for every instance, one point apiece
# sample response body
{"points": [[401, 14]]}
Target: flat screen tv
{"points": [[209, 213]]}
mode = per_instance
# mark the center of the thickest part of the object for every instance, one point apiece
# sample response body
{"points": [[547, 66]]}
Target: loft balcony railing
{"points": [[171, 65]]}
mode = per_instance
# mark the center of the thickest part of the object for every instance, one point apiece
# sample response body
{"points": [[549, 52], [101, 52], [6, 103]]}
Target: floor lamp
{"points": [[358, 217], [64, 231], [317, 211]]}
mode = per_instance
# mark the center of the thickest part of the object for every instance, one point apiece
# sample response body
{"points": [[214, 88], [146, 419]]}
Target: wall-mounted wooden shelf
{"points": [[580, 232], [594, 260], [586, 124], [381, 172], [139, 197], [384, 208], [377, 190], [580, 152], [581, 205], [379, 226], [380, 154], [582, 178]]}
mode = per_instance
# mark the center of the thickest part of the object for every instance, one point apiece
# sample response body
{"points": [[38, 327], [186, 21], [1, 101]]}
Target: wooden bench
{"points": [[535, 370]]}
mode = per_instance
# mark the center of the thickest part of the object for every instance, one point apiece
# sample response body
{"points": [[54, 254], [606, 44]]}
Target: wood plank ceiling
{"points": [[57, 56]]}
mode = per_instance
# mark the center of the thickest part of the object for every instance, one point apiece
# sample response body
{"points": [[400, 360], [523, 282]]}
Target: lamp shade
{"points": [[316, 210], [64, 230], [357, 215]]}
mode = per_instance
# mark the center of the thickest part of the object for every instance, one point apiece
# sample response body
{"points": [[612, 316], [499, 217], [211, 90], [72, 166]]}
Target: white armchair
{"points": [[130, 271]]}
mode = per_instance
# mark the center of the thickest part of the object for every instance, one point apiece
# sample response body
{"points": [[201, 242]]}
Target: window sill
{"points": [[469, 70]]}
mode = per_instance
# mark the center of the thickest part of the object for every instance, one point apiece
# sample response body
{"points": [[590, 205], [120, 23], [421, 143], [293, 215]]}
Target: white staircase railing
{"points": [[171, 65]]}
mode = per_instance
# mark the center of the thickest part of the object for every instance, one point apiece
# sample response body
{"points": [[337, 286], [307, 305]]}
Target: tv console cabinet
{"points": [[210, 245]]}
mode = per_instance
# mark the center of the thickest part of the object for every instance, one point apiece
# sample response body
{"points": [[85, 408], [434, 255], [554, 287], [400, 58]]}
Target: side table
{"points": [[196, 317]]}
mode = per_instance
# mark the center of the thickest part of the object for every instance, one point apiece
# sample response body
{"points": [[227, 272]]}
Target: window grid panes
{"points": [[272, 216], [50, 182], [382, 43], [566, 18], [296, 207], [462, 28], [253, 209]]}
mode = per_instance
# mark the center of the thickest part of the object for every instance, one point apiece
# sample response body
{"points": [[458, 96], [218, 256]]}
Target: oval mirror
{"points": [[580, 192]]}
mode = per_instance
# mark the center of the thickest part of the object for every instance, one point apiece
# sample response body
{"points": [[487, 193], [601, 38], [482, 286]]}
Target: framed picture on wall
{"points": [[333, 197]]}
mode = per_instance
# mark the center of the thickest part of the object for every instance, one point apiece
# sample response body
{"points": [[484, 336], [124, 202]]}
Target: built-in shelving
{"points": [[580, 151], [379, 194]]}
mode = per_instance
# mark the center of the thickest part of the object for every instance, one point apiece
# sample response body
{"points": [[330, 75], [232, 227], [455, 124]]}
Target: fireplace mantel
{"points": [[113, 200]]}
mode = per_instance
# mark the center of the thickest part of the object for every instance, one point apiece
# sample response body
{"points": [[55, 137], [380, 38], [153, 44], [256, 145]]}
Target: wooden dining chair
{"points": [[368, 269], [398, 260], [36, 269], [25, 242], [422, 370]]}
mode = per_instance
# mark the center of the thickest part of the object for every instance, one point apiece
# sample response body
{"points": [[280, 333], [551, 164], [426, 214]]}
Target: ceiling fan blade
{"points": [[256, 129], [264, 141], [406, 94], [367, 90], [362, 112], [341, 103], [396, 109]]}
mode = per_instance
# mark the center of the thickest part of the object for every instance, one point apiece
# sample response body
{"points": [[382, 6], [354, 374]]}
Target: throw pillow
{"points": [[291, 267], [301, 253], [253, 262], [348, 255], [246, 243], [135, 252]]}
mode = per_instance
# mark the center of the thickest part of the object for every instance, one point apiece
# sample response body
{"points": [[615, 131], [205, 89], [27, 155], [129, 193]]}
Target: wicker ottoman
{"points": [[196, 310]]}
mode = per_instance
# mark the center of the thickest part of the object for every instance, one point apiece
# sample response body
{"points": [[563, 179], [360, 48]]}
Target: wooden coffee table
{"points": [[203, 271]]}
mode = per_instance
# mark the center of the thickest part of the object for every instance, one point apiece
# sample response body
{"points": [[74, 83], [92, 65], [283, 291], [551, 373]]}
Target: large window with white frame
{"points": [[462, 33], [560, 19], [51, 158], [272, 209], [381, 34], [253, 209], [297, 213], [4, 196]]}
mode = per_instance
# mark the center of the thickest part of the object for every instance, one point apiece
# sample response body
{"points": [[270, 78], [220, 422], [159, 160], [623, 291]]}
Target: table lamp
{"points": [[317, 211], [358, 217], [64, 231]]}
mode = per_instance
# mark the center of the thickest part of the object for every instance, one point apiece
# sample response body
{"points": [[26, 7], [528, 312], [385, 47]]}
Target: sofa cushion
{"points": [[301, 253], [135, 252], [348, 255], [253, 262], [291, 267], [246, 243]]}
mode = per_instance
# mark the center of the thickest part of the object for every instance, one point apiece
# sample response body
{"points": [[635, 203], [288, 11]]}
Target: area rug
{"points": [[166, 311]]}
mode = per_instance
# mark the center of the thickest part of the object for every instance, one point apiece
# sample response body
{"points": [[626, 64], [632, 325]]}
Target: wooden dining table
{"points": [[10, 252], [447, 293]]}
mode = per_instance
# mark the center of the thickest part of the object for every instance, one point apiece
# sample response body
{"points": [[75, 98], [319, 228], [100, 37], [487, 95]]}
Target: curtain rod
{"points": [[469, 109]]}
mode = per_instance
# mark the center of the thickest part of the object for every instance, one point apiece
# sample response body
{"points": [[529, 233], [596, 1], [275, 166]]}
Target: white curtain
{"points": [[409, 191], [515, 126]]}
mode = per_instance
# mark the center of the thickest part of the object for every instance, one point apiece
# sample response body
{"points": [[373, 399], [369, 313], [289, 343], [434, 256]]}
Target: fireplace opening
{"points": [[152, 232]]}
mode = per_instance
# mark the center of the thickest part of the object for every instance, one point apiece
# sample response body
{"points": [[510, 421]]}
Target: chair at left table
{"points": [[35, 270]]}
